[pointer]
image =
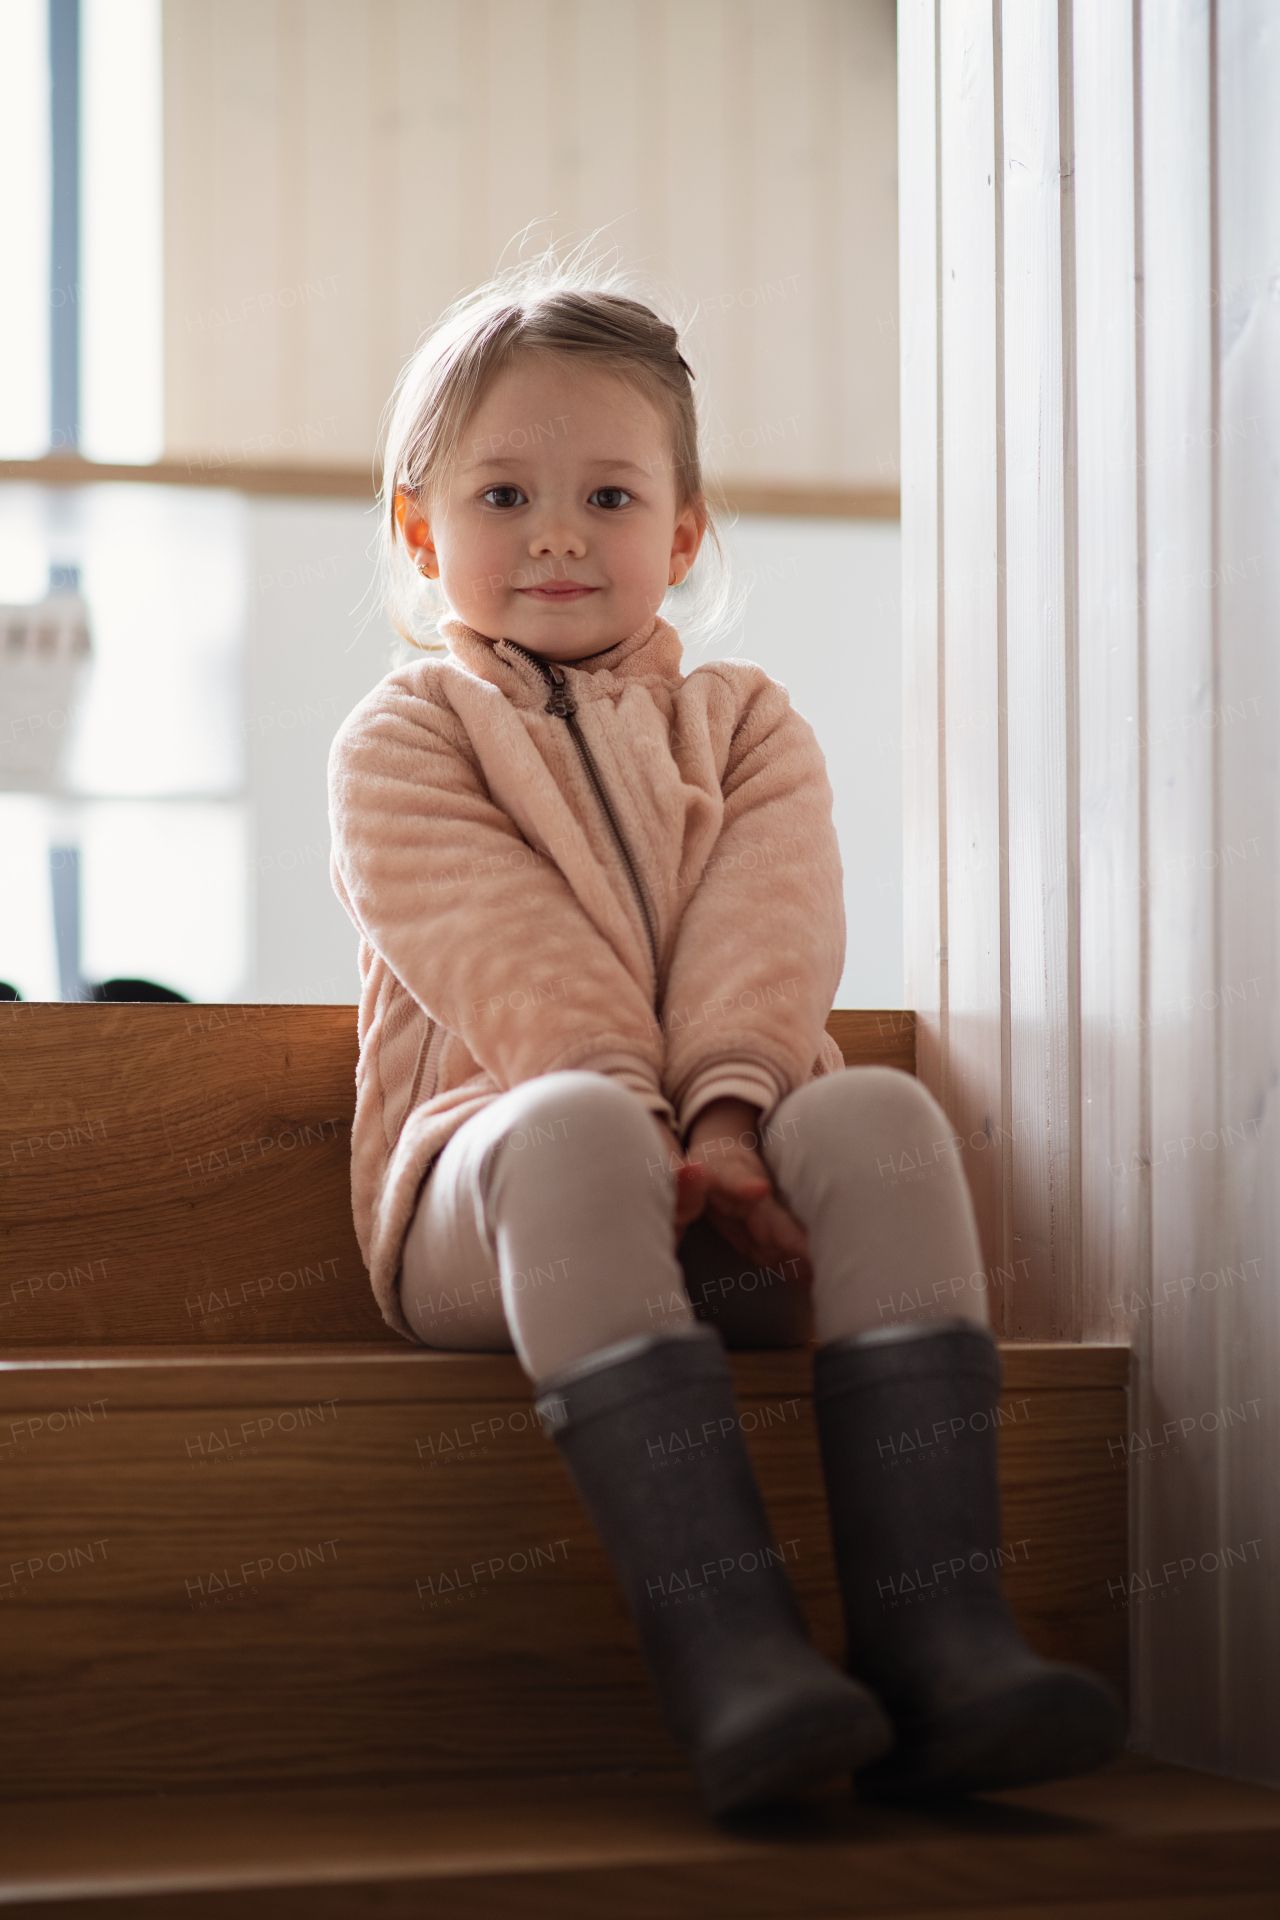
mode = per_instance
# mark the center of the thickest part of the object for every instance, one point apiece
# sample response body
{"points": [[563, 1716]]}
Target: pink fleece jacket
{"points": [[500, 933]]}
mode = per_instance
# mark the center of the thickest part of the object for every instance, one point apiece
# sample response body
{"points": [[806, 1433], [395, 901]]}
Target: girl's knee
{"points": [[869, 1103], [585, 1110]]}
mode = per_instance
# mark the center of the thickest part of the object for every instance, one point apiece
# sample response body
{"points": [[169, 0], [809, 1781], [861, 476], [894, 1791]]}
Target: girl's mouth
{"points": [[557, 590]]}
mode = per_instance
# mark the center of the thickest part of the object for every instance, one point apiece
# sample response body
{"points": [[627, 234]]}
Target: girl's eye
{"points": [[609, 497], [503, 497]]}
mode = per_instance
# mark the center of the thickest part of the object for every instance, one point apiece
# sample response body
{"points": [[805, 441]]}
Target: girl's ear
{"points": [[686, 540], [415, 531]]}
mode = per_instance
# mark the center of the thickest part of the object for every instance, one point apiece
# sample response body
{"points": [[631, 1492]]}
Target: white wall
{"points": [[821, 616], [824, 618], [312, 654], [232, 637]]}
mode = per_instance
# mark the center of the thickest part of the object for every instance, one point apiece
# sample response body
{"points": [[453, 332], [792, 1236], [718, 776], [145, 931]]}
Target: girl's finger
{"points": [[772, 1223], [738, 1178], [691, 1196]]}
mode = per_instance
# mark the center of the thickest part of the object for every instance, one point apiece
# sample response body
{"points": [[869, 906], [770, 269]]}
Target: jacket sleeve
{"points": [[761, 944], [481, 928]]}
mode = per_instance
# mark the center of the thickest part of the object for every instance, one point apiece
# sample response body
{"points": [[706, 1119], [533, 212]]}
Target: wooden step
{"points": [[1135, 1842], [251, 1566], [180, 1175]]}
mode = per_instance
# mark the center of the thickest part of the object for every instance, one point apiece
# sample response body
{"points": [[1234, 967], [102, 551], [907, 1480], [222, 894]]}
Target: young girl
{"points": [[598, 1119]]}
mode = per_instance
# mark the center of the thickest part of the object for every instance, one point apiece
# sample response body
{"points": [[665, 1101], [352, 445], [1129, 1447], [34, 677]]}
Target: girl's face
{"points": [[558, 526]]}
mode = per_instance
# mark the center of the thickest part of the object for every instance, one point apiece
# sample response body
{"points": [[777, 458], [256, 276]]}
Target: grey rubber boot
{"points": [[650, 1434], [908, 1429]]}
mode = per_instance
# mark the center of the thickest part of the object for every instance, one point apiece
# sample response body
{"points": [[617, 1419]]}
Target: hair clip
{"points": [[685, 364]]}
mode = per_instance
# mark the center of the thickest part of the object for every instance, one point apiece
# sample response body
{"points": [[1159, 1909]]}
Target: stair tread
{"points": [[1137, 1827], [1028, 1365]]}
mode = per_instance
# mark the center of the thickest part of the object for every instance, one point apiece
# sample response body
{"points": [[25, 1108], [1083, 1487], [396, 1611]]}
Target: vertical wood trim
{"points": [[1111, 726], [1004, 1302], [924, 818], [1247, 246], [1141, 1647], [1073, 1251], [975, 850], [1225, 1707], [940, 590], [1188, 1237], [1040, 674]]}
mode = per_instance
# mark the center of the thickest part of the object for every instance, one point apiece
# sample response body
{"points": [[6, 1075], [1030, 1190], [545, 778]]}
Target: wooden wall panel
{"points": [[1123, 464], [1115, 1153], [1247, 566], [974, 1082], [337, 174], [1182, 895], [924, 844], [1040, 644]]}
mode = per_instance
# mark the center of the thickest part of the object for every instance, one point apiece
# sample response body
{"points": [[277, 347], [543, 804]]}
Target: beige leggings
{"points": [[546, 1225]]}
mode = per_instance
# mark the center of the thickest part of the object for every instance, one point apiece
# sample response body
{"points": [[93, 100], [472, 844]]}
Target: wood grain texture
{"points": [[1134, 1841], [322, 1566], [182, 1173], [179, 1174], [866, 1039]]}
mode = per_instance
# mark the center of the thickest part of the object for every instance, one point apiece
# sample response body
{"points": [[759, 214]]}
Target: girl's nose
{"points": [[558, 540]]}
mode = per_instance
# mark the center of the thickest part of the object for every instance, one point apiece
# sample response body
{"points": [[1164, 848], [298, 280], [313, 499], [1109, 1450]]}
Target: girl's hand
{"points": [[739, 1195], [691, 1182]]}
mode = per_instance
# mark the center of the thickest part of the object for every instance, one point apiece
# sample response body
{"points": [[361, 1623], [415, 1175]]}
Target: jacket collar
{"points": [[652, 652]]}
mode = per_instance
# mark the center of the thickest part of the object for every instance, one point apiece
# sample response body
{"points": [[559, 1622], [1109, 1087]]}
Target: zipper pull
{"points": [[562, 703]]}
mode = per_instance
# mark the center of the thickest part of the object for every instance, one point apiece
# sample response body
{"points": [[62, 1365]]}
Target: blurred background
{"points": [[225, 229]]}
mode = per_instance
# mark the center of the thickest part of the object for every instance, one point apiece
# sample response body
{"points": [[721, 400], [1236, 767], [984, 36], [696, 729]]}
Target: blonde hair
{"points": [[566, 306]]}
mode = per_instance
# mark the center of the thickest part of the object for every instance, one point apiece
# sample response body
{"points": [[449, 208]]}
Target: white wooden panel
{"points": [[517, 71], [1112, 724], [1040, 680], [328, 189], [923, 739], [1141, 387], [863, 303], [974, 705], [349, 170], [1180, 1514], [1245, 726], [792, 153]]}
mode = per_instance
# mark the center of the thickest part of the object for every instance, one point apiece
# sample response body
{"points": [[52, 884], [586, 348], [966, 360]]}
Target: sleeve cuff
{"points": [[749, 1080], [639, 1083]]}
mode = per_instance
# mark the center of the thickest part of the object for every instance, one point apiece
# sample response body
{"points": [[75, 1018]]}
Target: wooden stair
{"points": [[298, 1615]]}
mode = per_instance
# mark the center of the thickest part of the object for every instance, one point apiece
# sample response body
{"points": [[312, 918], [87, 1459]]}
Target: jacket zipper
{"points": [[563, 705]]}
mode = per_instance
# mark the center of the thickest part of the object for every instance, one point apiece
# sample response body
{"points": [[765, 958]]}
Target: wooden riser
{"points": [[1136, 1842], [182, 1174], [306, 1577]]}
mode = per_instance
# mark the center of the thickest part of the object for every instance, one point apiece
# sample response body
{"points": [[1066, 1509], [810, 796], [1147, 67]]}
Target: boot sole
{"points": [[1045, 1729], [794, 1751]]}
